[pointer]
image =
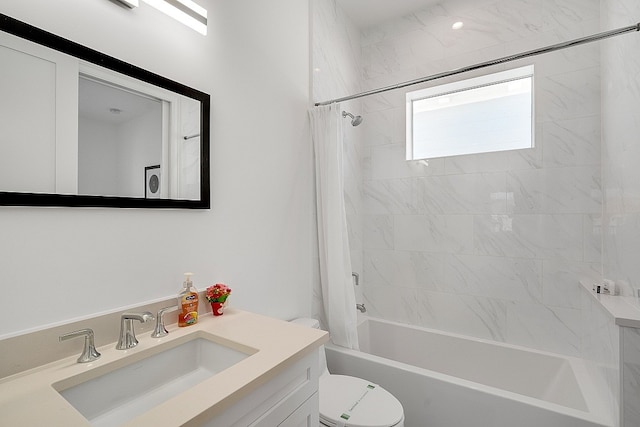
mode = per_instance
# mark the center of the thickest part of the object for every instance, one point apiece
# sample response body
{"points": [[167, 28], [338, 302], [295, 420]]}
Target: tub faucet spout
{"points": [[361, 307]]}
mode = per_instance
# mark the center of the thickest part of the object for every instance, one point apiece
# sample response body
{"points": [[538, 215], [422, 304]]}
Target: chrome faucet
{"points": [[89, 353], [361, 307], [160, 330], [127, 333]]}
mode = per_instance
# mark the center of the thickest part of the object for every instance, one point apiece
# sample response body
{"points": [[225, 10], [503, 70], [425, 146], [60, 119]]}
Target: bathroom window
{"points": [[478, 115]]}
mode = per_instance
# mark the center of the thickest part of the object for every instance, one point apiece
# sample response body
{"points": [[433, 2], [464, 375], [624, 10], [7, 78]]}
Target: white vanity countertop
{"points": [[29, 398], [625, 310]]}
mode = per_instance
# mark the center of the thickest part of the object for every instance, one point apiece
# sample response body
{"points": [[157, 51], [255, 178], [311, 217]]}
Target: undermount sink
{"points": [[126, 392]]}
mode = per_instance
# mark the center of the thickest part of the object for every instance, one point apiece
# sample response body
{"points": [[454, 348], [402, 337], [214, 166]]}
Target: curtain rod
{"points": [[504, 59]]}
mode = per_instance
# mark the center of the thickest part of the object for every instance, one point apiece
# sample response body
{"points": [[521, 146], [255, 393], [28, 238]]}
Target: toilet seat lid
{"points": [[354, 402]]}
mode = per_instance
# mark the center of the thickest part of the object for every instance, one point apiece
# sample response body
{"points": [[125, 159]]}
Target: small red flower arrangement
{"points": [[217, 295]]}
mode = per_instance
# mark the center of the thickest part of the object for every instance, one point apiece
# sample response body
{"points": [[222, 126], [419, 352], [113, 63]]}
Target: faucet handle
{"points": [[160, 330], [89, 353]]}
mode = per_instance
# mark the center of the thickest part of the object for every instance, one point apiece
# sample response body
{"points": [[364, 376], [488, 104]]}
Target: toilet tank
{"points": [[314, 324]]}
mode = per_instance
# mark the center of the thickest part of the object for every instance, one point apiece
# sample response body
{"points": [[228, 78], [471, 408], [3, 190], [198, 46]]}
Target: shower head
{"points": [[355, 120]]}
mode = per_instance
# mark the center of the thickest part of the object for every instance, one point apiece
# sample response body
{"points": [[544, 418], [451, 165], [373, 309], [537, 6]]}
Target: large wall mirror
{"points": [[80, 128]]}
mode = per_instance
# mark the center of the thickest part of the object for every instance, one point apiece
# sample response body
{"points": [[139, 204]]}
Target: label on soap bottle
{"points": [[188, 309]]}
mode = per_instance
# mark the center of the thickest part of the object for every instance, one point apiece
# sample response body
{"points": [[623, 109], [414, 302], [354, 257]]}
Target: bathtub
{"points": [[448, 380]]}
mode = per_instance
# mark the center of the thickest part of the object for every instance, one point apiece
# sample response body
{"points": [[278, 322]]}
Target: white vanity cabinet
{"points": [[289, 399]]}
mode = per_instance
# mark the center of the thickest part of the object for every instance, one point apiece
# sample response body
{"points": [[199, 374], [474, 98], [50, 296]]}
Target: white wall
{"points": [[139, 144], [61, 263], [97, 157]]}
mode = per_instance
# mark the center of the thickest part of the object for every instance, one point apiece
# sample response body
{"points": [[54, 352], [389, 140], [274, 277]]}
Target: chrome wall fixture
{"points": [[355, 120], [504, 59]]}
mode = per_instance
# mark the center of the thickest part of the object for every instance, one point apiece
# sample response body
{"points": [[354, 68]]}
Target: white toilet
{"points": [[353, 402]]}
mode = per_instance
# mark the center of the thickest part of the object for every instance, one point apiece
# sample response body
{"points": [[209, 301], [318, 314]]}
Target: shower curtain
{"points": [[338, 296]]}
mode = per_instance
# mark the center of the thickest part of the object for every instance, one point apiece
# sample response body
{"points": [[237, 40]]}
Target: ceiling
{"points": [[366, 13], [112, 105]]}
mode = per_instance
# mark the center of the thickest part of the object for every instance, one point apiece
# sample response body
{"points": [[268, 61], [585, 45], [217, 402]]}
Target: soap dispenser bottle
{"points": [[188, 303]]}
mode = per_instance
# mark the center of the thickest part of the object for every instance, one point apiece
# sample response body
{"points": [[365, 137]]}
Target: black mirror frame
{"points": [[44, 38]]}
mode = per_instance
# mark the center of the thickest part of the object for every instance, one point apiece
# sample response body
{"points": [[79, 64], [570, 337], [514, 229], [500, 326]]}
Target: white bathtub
{"points": [[447, 380]]}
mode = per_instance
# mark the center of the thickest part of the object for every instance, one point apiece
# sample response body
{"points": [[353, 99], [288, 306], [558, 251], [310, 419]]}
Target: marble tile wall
{"points": [[621, 183], [621, 127], [489, 245]]}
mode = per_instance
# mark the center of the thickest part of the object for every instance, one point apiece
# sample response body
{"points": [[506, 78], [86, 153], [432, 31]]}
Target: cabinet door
{"points": [[275, 401], [305, 416], [38, 118]]}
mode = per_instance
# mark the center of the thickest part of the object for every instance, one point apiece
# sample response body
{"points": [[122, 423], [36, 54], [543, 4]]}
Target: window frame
{"points": [[460, 86]]}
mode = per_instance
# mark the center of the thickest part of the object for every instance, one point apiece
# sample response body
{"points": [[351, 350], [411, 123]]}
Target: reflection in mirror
{"points": [[79, 128], [119, 133]]}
